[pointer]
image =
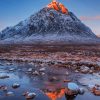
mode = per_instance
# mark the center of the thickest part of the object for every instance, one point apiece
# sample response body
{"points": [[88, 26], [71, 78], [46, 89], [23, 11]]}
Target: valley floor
{"points": [[89, 54], [60, 64]]}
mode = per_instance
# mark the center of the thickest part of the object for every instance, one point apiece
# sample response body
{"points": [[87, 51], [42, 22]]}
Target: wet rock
{"points": [[91, 86], [67, 73], [8, 63], [89, 80], [96, 91], [97, 75], [42, 73], [42, 69], [30, 70], [84, 69], [12, 69], [81, 91], [4, 88], [36, 73], [10, 93], [15, 85], [31, 63], [73, 87], [76, 71], [91, 71], [25, 93], [30, 96], [3, 76]]}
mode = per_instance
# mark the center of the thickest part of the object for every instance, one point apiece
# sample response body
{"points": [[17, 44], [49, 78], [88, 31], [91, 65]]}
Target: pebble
{"points": [[81, 91], [10, 94], [25, 93], [36, 73], [42, 73], [90, 71], [4, 88], [3, 76], [84, 69], [76, 71], [15, 85], [30, 96], [42, 69], [67, 73], [12, 69], [30, 70], [9, 63]]}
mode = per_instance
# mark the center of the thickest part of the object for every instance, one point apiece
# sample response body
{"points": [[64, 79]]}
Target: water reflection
{"points": [[41, 85], [58, 94]]}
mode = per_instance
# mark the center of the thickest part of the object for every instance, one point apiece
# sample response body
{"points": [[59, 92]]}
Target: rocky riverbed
{"points": [[49, 72]]}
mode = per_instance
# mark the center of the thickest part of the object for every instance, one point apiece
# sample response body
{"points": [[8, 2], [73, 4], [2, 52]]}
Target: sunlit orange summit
{"points": [[58, 7]]}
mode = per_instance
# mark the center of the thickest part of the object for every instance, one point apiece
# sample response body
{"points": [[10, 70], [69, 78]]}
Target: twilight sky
{"points": [[14, 11]]}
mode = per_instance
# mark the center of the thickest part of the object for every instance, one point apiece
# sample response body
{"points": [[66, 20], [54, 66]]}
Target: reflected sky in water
{"points": [[41, 85]]}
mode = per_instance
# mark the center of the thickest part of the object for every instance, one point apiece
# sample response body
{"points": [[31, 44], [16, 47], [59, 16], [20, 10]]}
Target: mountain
{"points": [[48, 25]]}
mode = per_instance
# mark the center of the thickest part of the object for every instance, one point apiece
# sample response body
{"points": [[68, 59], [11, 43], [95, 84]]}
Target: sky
{"points": [[14, 11]]}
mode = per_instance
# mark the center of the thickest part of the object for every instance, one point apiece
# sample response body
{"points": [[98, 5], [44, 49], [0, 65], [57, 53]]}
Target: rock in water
{"points": [[49, 25], [12, 69], [30, 70], [3, 87], [73, 87], [30, 96], [15, 85], [10, 93], [36, 73], [3, 76], [42, 69], [67, 73], [85, 69], [81, 91]]}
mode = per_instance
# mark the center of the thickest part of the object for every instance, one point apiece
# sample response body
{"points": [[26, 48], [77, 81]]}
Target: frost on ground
{"points": [[74, 55], [90, 80]]}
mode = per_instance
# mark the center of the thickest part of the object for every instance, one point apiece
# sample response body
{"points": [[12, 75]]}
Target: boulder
{"points": [[73, 87]]}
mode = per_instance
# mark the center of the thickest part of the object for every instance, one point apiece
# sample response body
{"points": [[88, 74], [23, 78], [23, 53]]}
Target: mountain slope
{"points": [[48, 25]]}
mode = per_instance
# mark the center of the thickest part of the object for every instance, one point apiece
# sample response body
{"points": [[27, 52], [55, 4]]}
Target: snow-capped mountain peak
{"points": [[48, 24]]}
